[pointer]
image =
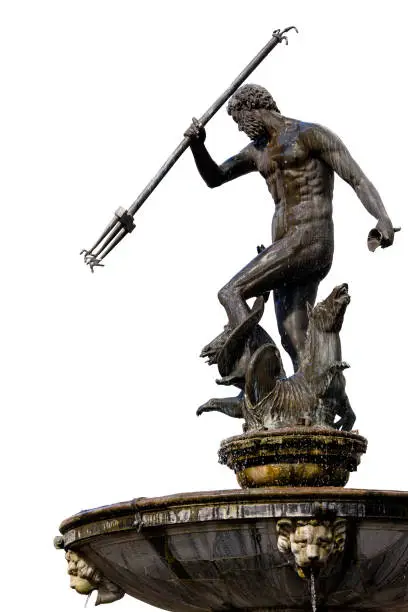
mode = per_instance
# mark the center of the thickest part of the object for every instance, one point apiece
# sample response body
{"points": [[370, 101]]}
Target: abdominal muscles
{"points": [[303, 200]]}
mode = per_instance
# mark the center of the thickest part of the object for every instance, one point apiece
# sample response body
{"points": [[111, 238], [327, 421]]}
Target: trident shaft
{"points": [[122, 223]]}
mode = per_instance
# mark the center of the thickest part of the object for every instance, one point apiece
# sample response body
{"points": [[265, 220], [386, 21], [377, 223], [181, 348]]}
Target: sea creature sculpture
{"points": [[314, 395]]}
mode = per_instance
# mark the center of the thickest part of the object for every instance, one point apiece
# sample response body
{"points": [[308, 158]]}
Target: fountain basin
{"points": [[219, 550]]}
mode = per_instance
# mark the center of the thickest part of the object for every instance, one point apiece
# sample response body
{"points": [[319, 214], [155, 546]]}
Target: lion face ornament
{"points": [[311, 543]]}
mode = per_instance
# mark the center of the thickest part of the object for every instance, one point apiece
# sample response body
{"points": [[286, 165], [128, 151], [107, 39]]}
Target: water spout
{"points": [[313, 590]]}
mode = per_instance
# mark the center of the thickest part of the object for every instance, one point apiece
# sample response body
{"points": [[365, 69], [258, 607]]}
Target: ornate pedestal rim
{"points": [[301, 456]]}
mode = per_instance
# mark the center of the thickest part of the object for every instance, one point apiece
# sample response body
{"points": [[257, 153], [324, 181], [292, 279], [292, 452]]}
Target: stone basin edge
{"points": [[234, 504]]}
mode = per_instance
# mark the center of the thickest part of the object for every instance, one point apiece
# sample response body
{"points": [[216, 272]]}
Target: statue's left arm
{"points": [[331, 150]]}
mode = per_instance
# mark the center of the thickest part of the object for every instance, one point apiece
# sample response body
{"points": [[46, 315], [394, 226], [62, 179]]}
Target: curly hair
{"points": [[250, 97]]}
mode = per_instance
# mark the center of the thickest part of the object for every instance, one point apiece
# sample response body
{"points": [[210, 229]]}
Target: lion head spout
{"points": [[311, 542]]}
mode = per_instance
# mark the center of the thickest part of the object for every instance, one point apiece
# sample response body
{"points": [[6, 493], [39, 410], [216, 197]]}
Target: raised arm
{"points": [[213, 174], [331, 150]]}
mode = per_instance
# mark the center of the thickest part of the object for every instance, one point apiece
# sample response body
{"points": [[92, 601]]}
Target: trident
{"points": [[122, 223]]}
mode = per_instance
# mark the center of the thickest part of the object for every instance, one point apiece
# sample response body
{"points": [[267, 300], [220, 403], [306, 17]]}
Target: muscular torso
{"points": [[300, 183]]}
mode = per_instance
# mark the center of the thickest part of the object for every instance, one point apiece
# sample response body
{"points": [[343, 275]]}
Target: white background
{"points": [[101, 376]]}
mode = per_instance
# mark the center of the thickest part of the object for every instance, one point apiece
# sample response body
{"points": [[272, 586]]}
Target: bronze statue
{"points": [[297, 161]]}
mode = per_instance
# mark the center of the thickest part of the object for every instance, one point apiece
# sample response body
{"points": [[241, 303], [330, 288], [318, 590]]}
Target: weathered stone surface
{"points": [[219, 550], [301, 456], [85, 577]]}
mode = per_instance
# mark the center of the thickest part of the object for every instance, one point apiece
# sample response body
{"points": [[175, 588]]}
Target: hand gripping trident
{"points": [[122, 223]]}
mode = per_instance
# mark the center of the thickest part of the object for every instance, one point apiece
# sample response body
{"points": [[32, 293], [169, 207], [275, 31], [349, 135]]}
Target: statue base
{"points": [[298, 457]]}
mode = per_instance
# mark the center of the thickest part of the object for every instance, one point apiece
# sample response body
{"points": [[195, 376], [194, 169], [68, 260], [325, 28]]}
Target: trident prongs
{"points": [[89, 259], [280, 35], [88, 255], [124, 225], [119, 236], [106, 231], [121, 225], [94, 262], [109, 239]]}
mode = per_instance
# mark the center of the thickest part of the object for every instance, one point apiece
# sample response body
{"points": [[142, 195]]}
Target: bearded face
{"points": [[249, 123], [80, 573]]}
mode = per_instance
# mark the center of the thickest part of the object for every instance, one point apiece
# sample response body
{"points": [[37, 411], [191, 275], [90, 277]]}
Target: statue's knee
{"points": [[227, 294]]}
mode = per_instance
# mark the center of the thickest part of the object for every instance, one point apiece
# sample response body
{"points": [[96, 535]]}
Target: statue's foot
{"points": [[212, 350], [346, 422]]}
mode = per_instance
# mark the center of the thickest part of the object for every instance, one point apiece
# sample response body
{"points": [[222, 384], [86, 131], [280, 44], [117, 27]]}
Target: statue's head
{"points": [[328, 315], [311, 542], [83, 576], [244, 102]]}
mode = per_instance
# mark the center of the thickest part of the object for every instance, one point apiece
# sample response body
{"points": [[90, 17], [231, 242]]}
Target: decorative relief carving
{"points": [[85, 577], [311, 543]]}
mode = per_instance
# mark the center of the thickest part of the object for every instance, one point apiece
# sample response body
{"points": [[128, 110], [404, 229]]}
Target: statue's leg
{"points": [[348, 417], [291, 315], [341, 403], [280, 262]]}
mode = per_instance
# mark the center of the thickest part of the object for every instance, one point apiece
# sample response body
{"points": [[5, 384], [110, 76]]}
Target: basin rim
{"points": [[234, 504]]}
